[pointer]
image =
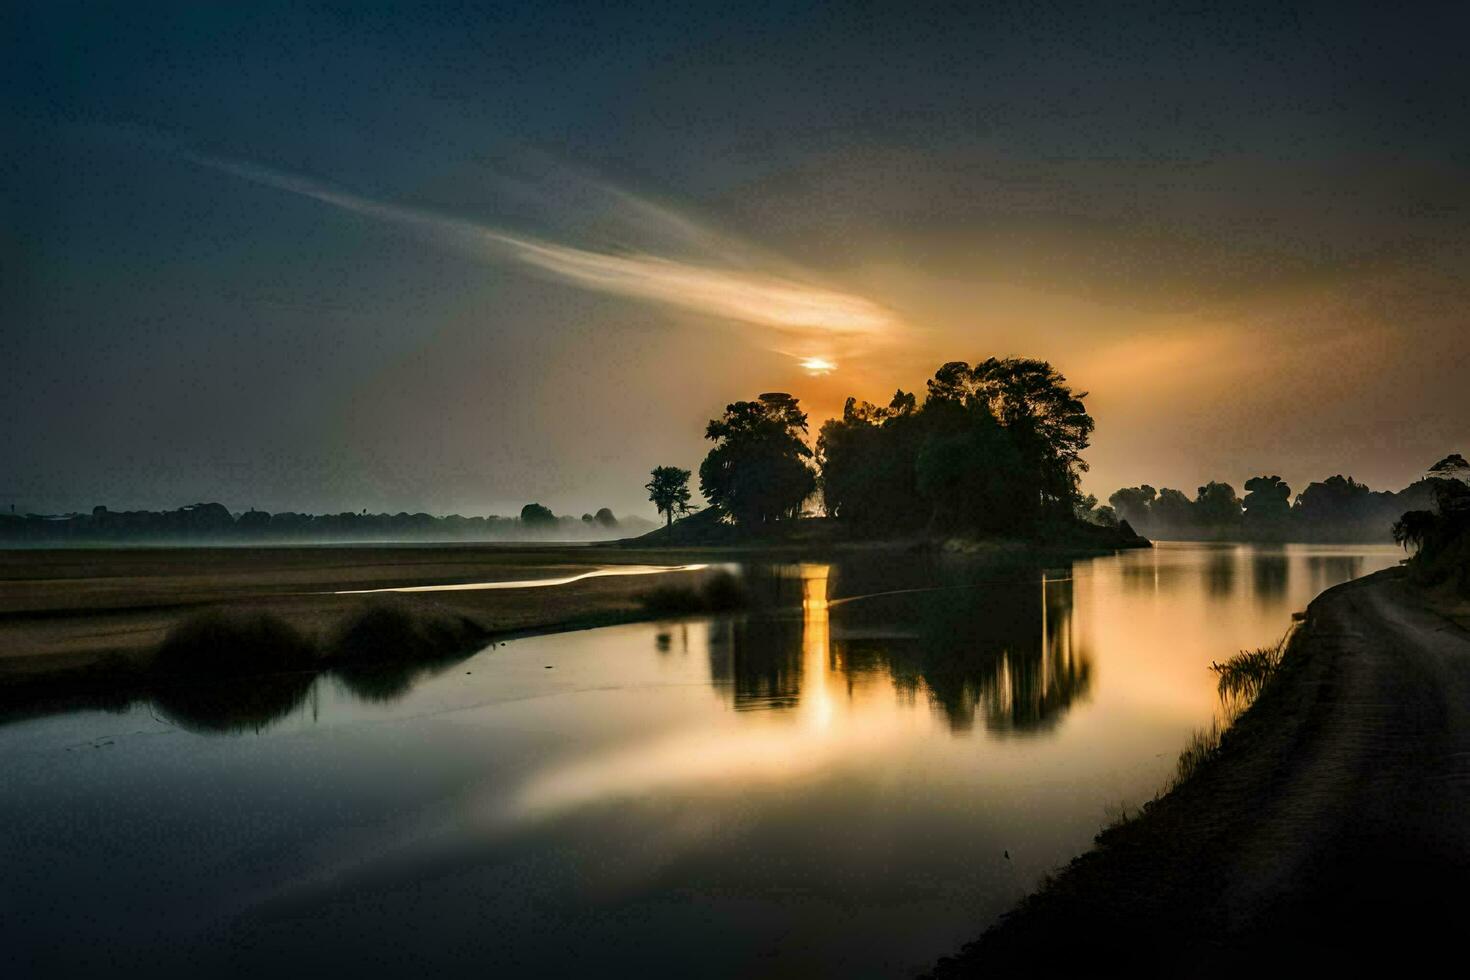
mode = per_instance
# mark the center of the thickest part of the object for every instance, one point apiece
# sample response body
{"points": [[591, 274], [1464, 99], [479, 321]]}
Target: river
{"points": [[852, 778]]}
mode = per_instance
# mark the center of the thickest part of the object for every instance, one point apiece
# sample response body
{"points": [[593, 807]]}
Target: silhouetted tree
{"points": [[1172, 509], [605, 517], [1441, 538], [996, 447], [974, 478], [867, 460], [535, 514], [1342, 502], [1267, 502], [758, 471], [1217, 507], [1046, 421], [1133, 504], [1414, 528], [669, 491], [1088, 510]]}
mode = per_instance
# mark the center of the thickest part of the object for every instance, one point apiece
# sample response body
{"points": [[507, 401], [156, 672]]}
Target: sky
{"points": [[457, 258]]}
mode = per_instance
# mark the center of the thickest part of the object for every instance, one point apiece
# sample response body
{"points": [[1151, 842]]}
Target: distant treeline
{"points": [[1336, 509], [214, 523]]}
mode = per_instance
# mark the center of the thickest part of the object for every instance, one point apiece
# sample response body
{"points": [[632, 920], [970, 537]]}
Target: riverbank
{"points": [[73, 616], [86, 618], [1329, 827]]}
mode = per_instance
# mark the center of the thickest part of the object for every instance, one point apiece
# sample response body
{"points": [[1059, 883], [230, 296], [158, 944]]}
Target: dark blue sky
{"points": [[1242, 227]]}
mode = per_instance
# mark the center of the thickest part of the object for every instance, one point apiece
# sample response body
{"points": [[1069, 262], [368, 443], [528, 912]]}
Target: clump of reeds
{"points": [[1242, 679], [1245, 675], [720, 592]]}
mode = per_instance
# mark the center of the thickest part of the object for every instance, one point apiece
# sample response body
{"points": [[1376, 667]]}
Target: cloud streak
{"points": [[782, 303]]}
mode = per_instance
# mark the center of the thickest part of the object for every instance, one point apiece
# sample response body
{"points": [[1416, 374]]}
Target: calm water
{"points": [[853, 779]]}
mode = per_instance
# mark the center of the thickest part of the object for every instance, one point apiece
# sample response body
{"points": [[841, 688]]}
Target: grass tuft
{"points": [[1244, 675], [1200, 748], [1242, 679]]}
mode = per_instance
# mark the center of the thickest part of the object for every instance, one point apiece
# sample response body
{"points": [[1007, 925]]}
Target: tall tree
{"points": [[867, 463], [536, 514], [975, 479], [1046, 420], [1133, 504], [1217, 507], [1267, 502], [669, 491], [758, 471], [1171, 509]]}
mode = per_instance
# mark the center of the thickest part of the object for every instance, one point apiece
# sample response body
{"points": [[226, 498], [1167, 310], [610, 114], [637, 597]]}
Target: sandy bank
{"points": [[66, 611]]}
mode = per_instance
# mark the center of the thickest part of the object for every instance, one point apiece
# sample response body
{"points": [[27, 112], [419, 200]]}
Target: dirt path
{"points": [[1332, 829]]}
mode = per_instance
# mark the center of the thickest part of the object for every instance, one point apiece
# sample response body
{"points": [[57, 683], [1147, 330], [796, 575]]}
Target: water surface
{"points": [[853, 778]]}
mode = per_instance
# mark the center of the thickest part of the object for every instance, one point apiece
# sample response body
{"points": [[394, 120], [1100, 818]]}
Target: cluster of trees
{"points": [[214, 522], [1440, 536], [1336, 509], [760, 470], [996, 447]]}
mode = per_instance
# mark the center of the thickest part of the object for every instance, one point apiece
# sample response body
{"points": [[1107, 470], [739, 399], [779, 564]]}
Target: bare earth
{"points": [[67, 609], [1332, 830]]}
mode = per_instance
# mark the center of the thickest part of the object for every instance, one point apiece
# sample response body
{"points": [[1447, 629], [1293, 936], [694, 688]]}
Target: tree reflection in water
{"points": [[1220, 570], [999, 647], [758, 657], [1329, 570], [1270, 572]]}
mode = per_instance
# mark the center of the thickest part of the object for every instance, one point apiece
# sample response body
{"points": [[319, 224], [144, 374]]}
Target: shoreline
{"points": [[1325, 827], [85, 623]]}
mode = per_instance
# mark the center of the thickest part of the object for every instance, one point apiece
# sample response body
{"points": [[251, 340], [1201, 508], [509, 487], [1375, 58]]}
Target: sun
{"points": [[818, 365]]}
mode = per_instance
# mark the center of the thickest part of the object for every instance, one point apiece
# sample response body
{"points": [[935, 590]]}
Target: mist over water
{"points": [[852, 777]]}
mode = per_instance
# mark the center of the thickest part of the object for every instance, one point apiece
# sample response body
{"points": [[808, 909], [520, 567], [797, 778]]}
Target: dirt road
{"points": [[1332, 830]]}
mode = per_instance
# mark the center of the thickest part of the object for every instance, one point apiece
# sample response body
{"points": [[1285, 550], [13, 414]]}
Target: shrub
{"points": [[388, 632], [231, 644]]}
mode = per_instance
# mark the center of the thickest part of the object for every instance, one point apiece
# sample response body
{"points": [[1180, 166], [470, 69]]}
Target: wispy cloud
{"points": [[781, 302]]}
